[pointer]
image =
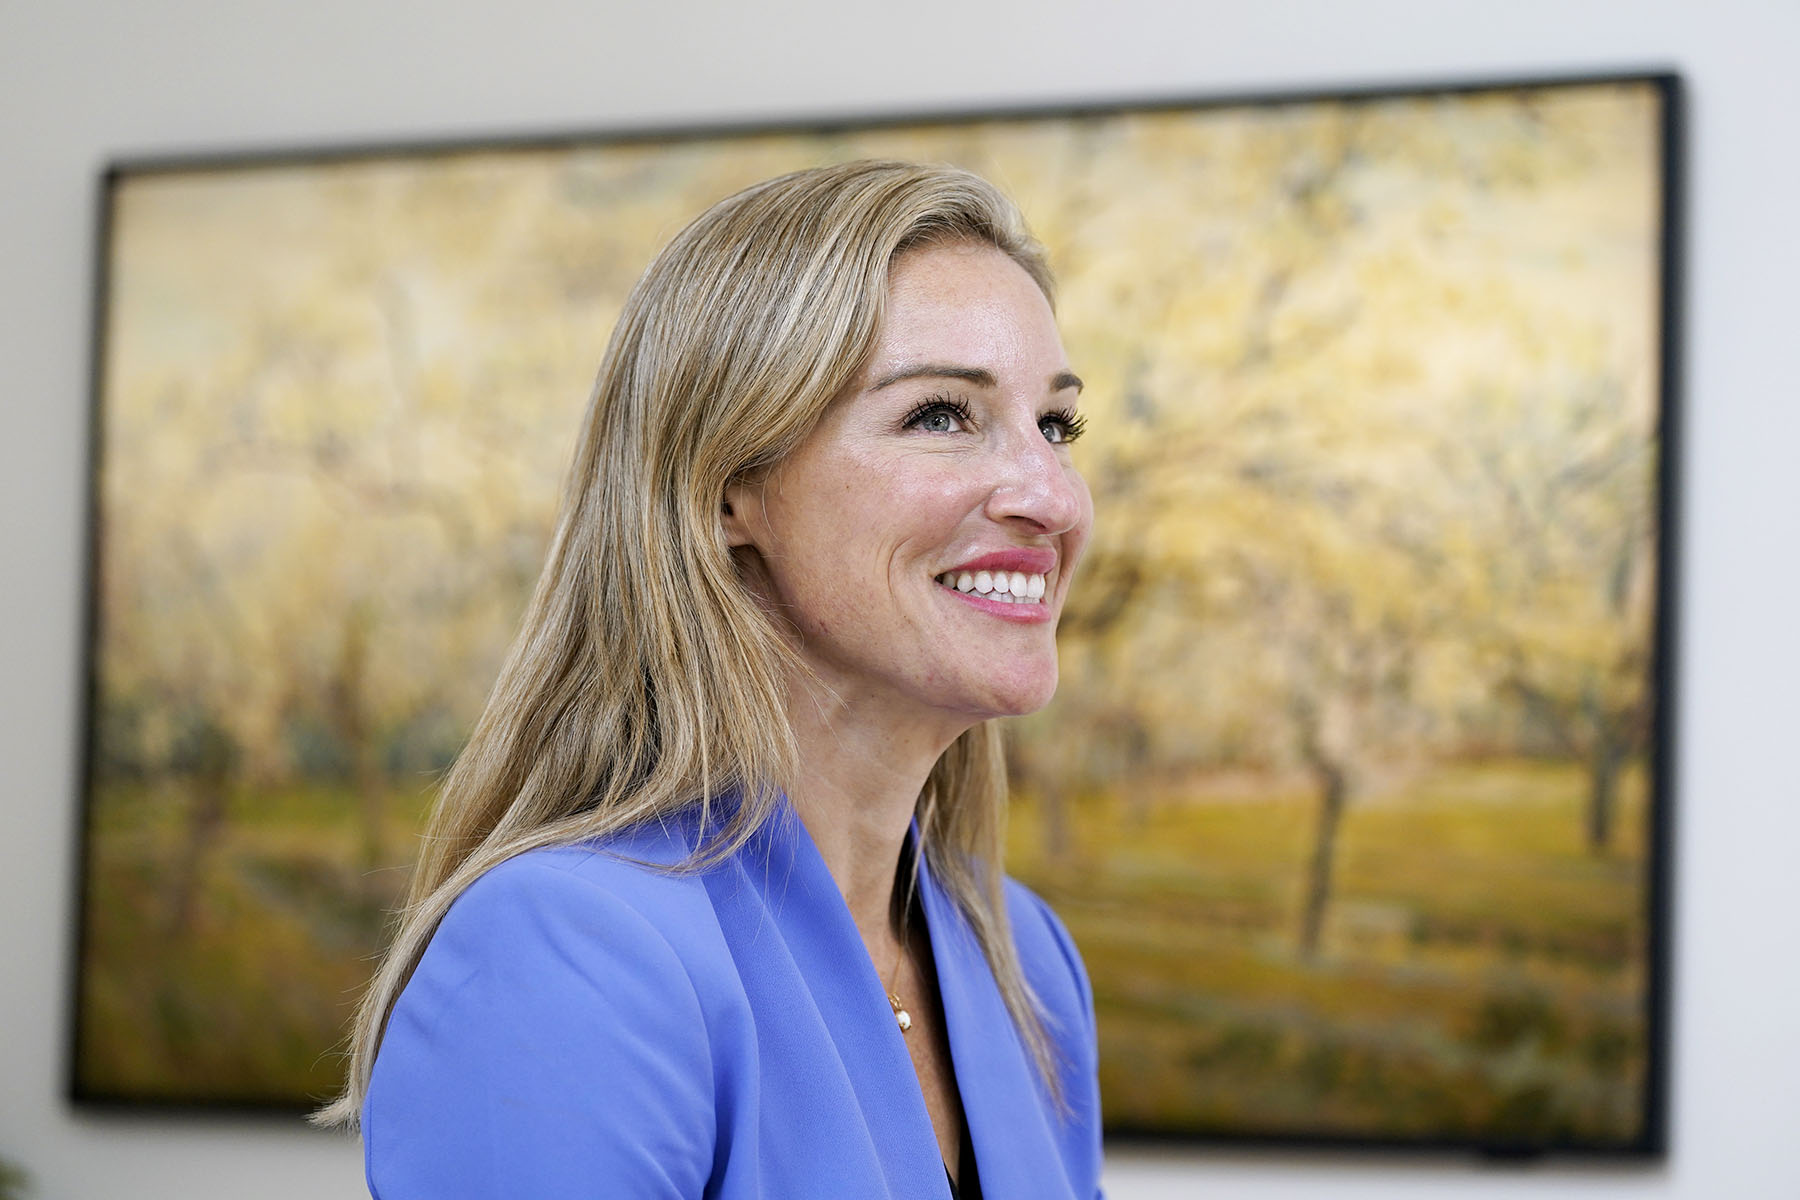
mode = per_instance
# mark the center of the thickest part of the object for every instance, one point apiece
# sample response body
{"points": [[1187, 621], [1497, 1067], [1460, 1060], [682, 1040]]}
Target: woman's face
{"points": [[922, 538]]}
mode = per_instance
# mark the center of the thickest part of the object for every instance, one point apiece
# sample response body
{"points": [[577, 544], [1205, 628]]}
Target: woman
{"points": [[711, 904]]}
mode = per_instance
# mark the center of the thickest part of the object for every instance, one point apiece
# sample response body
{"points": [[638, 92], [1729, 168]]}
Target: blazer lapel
{"points": [[812, 920], [1007, 1108]]}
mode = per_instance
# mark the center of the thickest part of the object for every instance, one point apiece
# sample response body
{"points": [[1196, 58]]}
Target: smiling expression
{"points": [[920, 541]]}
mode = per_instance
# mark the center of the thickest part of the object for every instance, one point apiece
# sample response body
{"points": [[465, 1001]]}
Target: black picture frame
{"points": [[111, 882]]}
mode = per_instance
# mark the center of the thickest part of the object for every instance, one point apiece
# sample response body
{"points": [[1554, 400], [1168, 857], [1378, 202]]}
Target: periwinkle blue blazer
{"points": [[585, 1026]]}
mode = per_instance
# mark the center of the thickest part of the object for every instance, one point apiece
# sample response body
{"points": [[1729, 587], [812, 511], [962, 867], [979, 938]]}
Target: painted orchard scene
{"points": [[1347, 794]]}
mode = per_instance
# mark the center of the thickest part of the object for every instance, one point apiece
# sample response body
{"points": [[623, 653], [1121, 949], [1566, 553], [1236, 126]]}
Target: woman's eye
{"points": [[1061, 427], [938, 416]]}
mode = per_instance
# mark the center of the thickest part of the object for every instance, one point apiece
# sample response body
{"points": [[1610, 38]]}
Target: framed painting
{"points": [[1356, 791]]}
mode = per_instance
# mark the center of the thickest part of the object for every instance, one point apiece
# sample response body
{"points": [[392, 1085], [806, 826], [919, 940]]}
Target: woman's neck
{"points": [[857, 784]]}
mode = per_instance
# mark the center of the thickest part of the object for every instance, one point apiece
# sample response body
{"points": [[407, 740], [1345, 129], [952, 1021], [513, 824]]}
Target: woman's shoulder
{"points": [[1048, 955], [565, 972], [623, 860], [627, 882], [1038, 931], [1054, 969]]}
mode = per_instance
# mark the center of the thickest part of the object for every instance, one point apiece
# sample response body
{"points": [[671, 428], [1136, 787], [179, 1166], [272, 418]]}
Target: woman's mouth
{"points": [[1006, 587]]}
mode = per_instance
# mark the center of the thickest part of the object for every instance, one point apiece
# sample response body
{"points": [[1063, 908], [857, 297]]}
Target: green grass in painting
{"points": [[249, 997], [1481, 975]]}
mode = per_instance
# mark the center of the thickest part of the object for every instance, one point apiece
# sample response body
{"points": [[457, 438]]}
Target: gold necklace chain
{"points": [[902, 1018]]}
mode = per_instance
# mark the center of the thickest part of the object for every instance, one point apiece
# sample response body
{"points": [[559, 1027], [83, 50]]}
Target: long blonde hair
{"points": [[645, 680]]}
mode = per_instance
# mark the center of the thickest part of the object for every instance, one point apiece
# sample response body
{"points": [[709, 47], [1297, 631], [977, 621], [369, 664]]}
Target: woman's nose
{"points": [[1036, 484]]}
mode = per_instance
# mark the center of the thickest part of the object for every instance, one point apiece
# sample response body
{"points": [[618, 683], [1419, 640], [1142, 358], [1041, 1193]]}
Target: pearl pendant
{"points": [[902, 1018]]}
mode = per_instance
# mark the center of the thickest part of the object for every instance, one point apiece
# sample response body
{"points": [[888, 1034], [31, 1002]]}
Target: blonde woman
{"points": [[712, 903]]}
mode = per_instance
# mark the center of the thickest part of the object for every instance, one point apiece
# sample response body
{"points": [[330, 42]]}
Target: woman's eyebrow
{"points": [[974, 375], [1059, 382]]}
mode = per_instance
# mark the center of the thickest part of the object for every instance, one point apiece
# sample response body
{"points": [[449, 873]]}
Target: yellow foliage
{"points": [[1372, 391]]}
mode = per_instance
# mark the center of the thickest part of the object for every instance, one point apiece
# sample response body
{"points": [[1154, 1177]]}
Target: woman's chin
{"points": [[1023, 695]]}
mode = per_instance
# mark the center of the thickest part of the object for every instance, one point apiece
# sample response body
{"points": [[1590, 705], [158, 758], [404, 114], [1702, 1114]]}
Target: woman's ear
{"points": [[741, 513]]}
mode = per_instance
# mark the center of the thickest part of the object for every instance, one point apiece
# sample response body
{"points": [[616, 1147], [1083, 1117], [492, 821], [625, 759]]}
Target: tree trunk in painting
{"points": [[351, 724], [206, 816], [1056, 822], [205, 760], [1333, 789], [1604, 762], [1333, 779]]}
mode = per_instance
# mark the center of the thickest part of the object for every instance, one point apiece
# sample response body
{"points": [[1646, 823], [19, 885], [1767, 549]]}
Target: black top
{"points": [[971, 1178]]}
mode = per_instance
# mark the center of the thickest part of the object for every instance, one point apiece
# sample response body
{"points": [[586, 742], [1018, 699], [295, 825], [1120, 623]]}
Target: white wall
{"points": [[81, 81]]}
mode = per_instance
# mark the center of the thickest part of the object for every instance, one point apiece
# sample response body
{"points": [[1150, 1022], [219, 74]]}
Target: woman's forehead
{"points": [[965, 306]]}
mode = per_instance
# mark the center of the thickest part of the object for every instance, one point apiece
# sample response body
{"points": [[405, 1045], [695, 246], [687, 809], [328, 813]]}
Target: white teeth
{"points": [[1007, 587]]}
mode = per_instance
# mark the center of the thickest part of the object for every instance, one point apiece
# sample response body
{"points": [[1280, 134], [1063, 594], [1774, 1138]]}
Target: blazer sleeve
{"points": [[550, 1044], [1061, 980]]}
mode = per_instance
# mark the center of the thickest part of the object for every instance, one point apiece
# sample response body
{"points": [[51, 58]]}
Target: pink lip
{"points": [[1022, 559], [1023, 614]]}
